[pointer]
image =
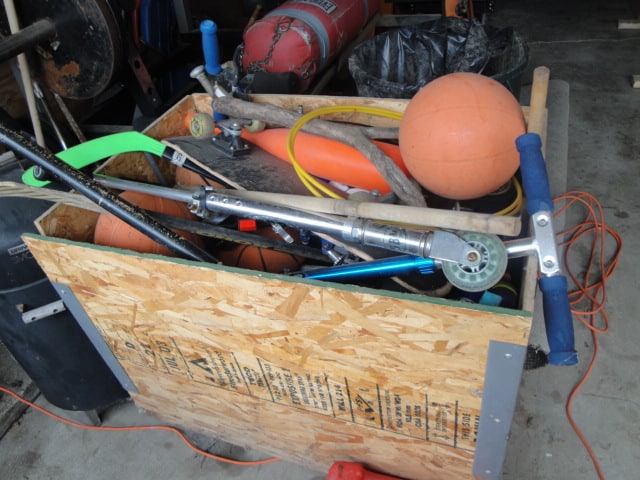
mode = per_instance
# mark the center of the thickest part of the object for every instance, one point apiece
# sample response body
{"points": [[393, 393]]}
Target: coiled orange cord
{"points": [[590, 296]]}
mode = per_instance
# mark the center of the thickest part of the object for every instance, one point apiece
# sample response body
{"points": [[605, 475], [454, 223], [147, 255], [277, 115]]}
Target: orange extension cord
{"points": [[589, 292], [589, 297], [138, 428]]}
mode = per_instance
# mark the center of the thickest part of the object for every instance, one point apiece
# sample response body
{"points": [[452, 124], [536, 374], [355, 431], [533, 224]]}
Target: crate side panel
{"points": [[311, 440], [402, 371]]}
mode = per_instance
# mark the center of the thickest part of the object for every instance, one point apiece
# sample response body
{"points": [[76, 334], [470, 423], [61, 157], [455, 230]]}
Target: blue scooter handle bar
{"points": [[557, 311], [535, 180], [558, 321], [210, 47]]}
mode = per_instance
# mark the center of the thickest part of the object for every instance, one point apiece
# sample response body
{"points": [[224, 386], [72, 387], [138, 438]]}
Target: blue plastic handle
{"points": [[557, 311], [558, 320], [210, 47], [534, 173]]}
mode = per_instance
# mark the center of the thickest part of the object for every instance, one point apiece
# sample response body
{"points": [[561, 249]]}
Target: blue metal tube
{"points": [[384, 267]]}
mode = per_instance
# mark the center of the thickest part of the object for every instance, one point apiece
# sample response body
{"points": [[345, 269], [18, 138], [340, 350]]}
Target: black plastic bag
{"points": [[397, 63]]}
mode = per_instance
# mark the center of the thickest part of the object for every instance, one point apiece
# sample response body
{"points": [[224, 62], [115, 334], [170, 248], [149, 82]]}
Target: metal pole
{"points": [[21, 40], [14, 26], [88, 187]]}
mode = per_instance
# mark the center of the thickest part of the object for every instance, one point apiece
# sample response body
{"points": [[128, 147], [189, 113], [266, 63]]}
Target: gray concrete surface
{"points": [[41, 448], [581, 44], [14, 377]]}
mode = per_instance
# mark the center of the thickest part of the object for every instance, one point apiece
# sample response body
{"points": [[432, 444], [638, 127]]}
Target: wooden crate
{"points": [[313, 372]]}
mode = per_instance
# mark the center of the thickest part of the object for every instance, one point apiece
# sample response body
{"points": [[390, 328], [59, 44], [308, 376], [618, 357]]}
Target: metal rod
{"points": [[155, 167], [22, 40], [236, 236], [88, 187], [204, 201], [273, 213], [181, 195], [43, 102], [23, 65], [384, 267], [72, 121], [521, 247], [437, 244]]}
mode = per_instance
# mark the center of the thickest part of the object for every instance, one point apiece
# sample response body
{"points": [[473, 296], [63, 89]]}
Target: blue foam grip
{"points": [[210, 47], [558, 320], [534, 173]]}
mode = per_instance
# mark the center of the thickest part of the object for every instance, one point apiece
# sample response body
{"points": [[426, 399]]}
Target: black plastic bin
{"points": [[53, 351], [398, 62]]}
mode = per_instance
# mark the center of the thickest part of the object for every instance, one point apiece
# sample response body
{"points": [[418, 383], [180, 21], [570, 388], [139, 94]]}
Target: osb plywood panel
{"points": [[310, 372]]}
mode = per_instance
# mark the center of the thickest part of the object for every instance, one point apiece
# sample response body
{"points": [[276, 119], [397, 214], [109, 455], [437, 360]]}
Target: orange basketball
{"points": [[113, 232], [263, 259], [457, 136]]}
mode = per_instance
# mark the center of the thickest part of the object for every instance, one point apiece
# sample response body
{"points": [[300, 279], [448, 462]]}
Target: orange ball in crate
{"points": [[262, 259], [113, 232], [457, 135]]}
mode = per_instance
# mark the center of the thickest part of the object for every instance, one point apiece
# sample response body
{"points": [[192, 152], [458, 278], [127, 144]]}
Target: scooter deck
{"points": [[258, 170], [261, 171]]}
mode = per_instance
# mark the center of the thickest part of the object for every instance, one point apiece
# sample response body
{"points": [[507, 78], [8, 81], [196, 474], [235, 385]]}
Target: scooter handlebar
{"points": [[558, 320], [557, 311], [210, 47], [534, 173]]}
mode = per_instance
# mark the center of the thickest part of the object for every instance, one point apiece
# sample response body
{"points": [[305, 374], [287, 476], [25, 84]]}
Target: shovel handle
{"points": [[538, 102]]}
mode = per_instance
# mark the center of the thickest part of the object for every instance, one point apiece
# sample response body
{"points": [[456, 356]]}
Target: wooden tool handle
{"points": [[418, 216], [537, 110]]}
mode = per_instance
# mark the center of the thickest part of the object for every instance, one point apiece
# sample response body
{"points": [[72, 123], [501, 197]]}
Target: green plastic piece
{"points": [[84, 154]]}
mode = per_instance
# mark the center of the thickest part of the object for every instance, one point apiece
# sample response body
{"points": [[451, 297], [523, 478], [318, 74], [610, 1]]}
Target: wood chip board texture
{"points": [[292, 367]]}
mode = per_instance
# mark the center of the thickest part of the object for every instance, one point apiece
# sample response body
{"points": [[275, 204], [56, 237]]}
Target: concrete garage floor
{"points": [[581, 44]]}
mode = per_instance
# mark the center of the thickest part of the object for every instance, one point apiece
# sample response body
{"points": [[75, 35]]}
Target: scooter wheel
{"points": [[487, 273], [201, 125]]}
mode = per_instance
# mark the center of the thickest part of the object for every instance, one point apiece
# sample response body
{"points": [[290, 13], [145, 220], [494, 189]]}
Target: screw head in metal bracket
{"points": [[196, 71], [542, 220]]}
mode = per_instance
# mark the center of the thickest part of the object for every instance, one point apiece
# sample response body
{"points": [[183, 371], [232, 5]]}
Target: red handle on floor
{"points": [[354, 471]]}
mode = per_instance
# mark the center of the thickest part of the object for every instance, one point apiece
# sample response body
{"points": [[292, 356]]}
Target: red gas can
{"points": [[303, 36]]}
